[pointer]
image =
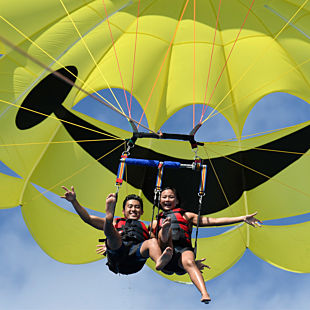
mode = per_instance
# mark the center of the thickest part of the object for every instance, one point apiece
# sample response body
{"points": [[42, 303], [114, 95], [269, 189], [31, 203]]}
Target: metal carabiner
{"points": [[201, 195]]}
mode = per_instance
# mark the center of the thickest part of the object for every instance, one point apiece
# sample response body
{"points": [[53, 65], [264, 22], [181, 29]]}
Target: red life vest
{"points": [[181, 232], [132, 230]]}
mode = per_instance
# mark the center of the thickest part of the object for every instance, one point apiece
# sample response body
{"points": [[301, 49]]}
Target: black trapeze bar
{"points": [[168, 136]]}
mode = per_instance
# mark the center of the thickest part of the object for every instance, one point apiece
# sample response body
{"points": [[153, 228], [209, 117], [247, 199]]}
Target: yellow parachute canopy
{"points": [[257, 48]]}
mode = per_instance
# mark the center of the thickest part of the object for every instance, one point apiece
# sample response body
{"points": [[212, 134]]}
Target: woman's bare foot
{"points": [[205, 298], [164, 259], [166, 231]]}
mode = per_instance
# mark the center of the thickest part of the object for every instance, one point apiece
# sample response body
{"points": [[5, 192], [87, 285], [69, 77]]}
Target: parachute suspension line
{"points": [[286, 20], [59, 119], [194, 65], [223, 191], [134, 57], [115, 53], [162, 65], [260, 149], [90, 53], [211, 58], [279, 77], [56, 142], [68, 81], [263, 53], [52, 58], [75, 173], [264, 175], [231, 50]]}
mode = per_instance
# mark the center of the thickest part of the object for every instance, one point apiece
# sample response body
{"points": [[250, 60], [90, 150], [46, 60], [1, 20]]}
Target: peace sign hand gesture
{"points": [[69, 195]]}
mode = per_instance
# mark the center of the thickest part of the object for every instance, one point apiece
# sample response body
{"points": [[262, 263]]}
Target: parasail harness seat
{"points": [[197, 165]]}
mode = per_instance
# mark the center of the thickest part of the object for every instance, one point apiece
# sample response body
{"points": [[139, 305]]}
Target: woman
{"points": [[173, 229]]}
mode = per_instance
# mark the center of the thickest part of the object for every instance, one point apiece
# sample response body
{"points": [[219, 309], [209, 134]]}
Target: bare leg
{"points": [[114, 240], [164, 235], [165, 232], [188, 263], [151, 248]]}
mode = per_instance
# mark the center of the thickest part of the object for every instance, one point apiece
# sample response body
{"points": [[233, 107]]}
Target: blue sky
{"points": [[29, 279]]}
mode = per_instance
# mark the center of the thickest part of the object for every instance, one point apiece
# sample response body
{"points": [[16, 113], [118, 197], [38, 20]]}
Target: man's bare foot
{"points": [[164, 259], [166, 231], [205, 298], [110, 207]]}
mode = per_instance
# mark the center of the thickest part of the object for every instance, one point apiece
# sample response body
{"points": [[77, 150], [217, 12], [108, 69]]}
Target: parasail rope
{"points": [[162, 65], [55, 60], [262, 174], [234, 44], [260, 56], [194, 65], [90, 53], [59, 119], [211, 57], [115, 53], [68, 81], [74, 174]]}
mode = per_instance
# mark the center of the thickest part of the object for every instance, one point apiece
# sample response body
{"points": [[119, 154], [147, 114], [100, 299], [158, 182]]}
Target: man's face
{"points": [[132, 209], [168, 200]]}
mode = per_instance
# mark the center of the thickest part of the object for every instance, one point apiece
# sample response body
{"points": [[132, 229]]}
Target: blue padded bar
{"points": [[151, 163], [172, 164], [142, 162]]}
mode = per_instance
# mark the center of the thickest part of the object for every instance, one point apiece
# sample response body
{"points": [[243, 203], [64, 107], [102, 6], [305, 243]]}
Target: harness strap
{"points": [[121, 170], [201, 193], [157, 191]]}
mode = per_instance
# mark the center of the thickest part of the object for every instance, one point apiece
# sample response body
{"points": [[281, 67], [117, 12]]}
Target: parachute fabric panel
{"points": [[286, 247], [47, 13], [270, 55], [60, 233], [10, 189], [221, 252]]}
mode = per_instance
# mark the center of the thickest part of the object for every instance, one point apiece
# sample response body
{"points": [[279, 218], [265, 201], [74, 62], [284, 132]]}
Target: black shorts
{"points": [[173, 266], [126, 260]]}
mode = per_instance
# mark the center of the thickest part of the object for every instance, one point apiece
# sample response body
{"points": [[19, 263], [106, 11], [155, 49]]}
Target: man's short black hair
{"points": [[134, 197]]}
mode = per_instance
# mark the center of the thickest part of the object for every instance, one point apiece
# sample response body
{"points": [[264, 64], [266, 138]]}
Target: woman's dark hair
{"points": [[175, 193], [134, 197]]}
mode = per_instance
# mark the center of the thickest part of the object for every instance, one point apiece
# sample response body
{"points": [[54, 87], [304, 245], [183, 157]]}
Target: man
{"points": [[128, 244]]}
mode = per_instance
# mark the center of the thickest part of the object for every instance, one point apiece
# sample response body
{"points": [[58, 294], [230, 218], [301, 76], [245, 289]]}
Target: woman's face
{"points": [[168, 200]]}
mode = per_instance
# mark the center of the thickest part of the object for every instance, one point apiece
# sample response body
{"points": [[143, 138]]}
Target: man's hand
{"points": [[69, 195], [253, 221]]}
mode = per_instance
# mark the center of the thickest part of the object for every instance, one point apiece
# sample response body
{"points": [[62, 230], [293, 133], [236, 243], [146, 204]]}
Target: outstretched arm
{"points": [[95, 221], [212, 221]]}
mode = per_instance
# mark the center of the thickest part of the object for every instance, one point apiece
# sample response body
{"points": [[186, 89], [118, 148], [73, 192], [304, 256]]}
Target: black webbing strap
{"points": [[201, 193], [157, 192]]}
